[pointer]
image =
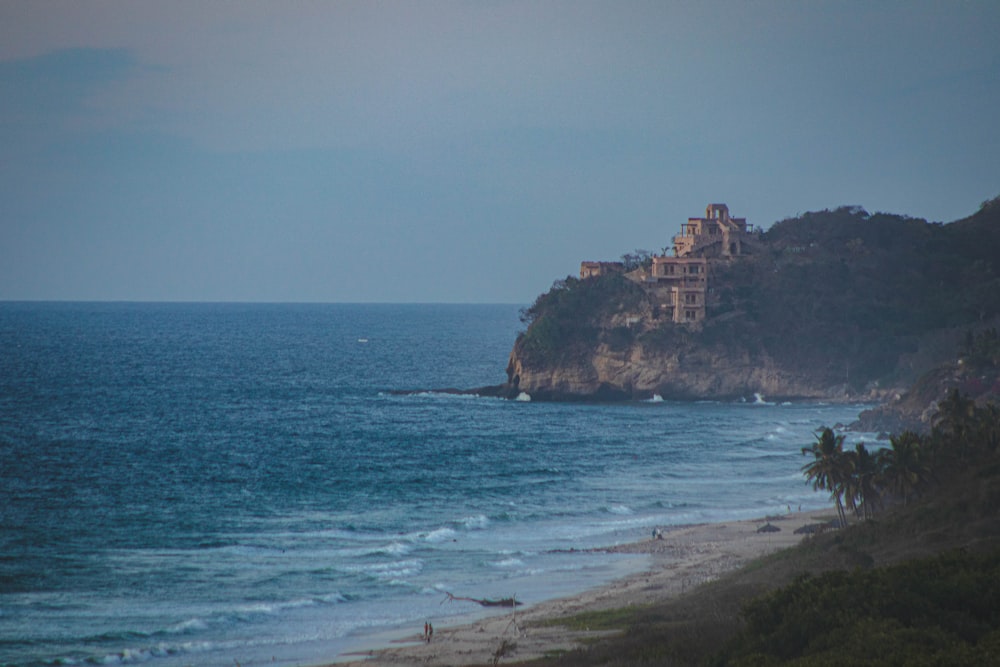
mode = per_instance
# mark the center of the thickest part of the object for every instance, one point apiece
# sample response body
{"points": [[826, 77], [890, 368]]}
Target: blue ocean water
{"points": [[209, 483]]}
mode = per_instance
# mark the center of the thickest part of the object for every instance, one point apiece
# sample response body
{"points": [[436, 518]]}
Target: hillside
{"points": [[974, 373], [838, 304], [917, 583]]}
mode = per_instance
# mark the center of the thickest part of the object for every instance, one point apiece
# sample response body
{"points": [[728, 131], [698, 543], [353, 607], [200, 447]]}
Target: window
{"points": [[690, 314]]}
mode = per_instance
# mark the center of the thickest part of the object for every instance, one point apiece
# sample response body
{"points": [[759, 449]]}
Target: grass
{"points": [[606, 619]]}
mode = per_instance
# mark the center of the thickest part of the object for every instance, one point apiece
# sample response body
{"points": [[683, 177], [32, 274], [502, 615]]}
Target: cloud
{"points": [[45, 98], [273, 150]]}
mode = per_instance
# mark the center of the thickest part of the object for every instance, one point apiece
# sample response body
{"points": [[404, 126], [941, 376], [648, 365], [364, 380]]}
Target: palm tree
{"points": [[905, 471], [826, 470], [861, 471], [954, 414]]}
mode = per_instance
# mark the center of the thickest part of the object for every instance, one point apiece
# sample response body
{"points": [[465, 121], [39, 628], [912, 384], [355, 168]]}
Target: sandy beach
{"points": [[684, 558]]}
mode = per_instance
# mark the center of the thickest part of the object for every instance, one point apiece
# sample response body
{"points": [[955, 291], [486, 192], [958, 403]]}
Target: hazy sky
{"points": [[461, 151]]}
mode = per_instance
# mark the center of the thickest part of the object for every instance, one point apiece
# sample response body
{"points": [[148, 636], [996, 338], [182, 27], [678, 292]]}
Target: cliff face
{"points": [[689, 371], [839, 305]]}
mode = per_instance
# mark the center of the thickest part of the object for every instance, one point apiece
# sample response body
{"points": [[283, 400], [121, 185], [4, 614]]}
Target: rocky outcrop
{"points": [[915, 409], [832, 305], [687, 371]]}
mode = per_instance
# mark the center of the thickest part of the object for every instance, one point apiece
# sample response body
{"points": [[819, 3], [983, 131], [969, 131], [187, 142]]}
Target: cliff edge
{"points": [[832, 305]]}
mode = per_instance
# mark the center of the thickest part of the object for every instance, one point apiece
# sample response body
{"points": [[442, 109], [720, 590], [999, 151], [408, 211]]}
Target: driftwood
{"points": [[502, 602]]}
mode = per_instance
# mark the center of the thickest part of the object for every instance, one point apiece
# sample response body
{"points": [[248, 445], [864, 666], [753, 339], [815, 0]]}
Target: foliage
{"points": [[944, 610], [860, 479], [927, 611], [827, 471], [639, 259], [859, 290], [839, 297], [893, 591], [569, 317], [932, 611]]}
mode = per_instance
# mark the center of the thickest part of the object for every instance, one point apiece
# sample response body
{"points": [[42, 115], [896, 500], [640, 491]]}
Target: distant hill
{"points": [[974, 372], [839, 304]]}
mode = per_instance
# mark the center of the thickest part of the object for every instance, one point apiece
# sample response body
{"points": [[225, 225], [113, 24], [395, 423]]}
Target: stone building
{"points": [[677, 287], [594, 269], [678, 284], [715, 235]]}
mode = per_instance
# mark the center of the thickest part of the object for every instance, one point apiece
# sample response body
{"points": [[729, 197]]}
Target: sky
{"points": [[474, 152]]}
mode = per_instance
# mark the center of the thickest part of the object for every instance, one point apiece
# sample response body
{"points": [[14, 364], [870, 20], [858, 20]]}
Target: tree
{"points": [[860, 471], [955, 414], [826, 470], [904, 471], [952, 427]]}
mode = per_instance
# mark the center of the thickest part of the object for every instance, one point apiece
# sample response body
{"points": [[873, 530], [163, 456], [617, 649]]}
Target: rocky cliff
{"points": [[688, 370], [840, 305]]}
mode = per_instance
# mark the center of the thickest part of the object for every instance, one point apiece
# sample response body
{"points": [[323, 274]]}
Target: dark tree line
{"points": [[862, 481]]}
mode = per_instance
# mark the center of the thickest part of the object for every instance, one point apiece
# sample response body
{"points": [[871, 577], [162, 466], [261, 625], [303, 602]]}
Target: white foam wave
{"points": [[524, 397], [131, 656], [439, 535], [388, 571], [478, 522], [620, 509], [394, 549], [656, 398], [444, 394], [507, 563], [190, 625], [531, 572], [270, 608]]}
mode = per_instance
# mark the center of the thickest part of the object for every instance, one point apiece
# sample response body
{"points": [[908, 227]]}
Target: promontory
{"points": [[835, 305]]}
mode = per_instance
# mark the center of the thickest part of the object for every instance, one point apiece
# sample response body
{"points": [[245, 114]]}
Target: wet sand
{"points": [[684, 558]]}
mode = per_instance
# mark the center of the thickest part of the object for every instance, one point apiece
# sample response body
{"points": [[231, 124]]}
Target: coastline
{"points": [[686, 557]]}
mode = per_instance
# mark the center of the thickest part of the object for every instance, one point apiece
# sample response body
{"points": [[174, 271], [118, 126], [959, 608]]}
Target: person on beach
{"points": [[430, 632], [426, 627]]}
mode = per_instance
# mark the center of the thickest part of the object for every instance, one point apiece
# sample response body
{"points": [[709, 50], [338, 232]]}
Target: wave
{"points": [[437, 395], [439, 535], [188, 626], [394, 549], [478, 522], [387, 572]]}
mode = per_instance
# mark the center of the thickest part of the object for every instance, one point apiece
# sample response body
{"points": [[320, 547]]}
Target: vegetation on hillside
{"points": [[915, 583], [935, 611], [975, 373], [857, 291], [862, 480], [843, 296], [576, 315]]}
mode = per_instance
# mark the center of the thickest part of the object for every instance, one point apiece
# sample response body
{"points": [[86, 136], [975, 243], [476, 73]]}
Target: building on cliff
{"points": [[677, 287], [678, 284], [594, 269], [715, 235]]}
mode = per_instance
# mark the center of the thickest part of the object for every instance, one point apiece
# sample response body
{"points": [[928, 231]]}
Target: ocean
{"points": [[210, 484]]}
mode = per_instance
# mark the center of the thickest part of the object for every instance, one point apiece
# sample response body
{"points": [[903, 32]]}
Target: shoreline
{"points": [[685, 557]]}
